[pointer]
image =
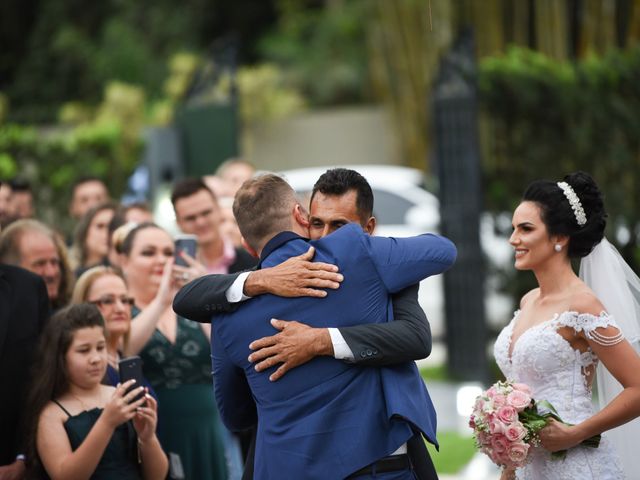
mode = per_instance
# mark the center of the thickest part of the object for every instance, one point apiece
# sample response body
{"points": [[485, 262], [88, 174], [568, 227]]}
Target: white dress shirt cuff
{"points": [[341, 350], [235, 293]]}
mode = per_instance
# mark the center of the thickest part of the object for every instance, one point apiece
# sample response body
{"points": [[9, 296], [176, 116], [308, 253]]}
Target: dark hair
{"points": [[187, 187], [49, 375], [339, 181], [127, 243], [18, 184], [559, 217], [85, 179], [82, 230], [263, 207]]}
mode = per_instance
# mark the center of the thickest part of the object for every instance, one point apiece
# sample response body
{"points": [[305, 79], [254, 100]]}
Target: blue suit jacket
{"points": [[326, 419]]}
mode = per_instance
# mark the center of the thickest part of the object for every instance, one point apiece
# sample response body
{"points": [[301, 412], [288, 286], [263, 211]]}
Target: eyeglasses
{"points": [[110, 300]]}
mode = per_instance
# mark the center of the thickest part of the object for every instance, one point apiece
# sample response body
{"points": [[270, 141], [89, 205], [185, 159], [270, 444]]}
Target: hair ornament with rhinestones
{"points": [[574, 201]]}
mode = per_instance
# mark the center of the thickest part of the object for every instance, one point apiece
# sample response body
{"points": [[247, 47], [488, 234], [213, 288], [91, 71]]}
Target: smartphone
{"points": [[185, 243], [130, 368]]}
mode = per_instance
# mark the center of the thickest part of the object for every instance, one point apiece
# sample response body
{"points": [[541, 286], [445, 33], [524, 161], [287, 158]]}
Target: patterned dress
{"points": [[189, 426], [545, 361]]}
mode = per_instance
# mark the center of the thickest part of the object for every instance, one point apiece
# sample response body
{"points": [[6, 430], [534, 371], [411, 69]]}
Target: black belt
{"points": [[392, 463]]}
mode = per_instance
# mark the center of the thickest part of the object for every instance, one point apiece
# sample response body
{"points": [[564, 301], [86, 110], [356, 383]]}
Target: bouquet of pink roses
{"points": [[506, 422]]}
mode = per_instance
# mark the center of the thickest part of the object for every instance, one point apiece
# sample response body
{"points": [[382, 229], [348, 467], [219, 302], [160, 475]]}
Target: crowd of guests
{"points": [[105, 293]]}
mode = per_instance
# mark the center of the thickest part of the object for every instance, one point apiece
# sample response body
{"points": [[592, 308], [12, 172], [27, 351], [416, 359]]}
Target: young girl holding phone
{"points": [[81, 428]]}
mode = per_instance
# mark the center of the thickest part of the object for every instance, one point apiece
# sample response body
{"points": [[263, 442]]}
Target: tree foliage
{"points": [[322, 47], [548, 118], [56, 51]]}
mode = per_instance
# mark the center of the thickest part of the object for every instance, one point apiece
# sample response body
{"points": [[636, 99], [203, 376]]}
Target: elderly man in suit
{"points": [[324, 414]]}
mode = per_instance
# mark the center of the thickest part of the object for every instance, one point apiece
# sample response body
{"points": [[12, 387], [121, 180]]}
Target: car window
{"points": [[389, 208]]}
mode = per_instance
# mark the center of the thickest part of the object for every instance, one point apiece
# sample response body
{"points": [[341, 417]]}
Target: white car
{"points": [[403, 208]]}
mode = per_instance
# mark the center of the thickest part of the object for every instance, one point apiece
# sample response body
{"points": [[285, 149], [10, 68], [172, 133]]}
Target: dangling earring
{"points": [[557, 247]]}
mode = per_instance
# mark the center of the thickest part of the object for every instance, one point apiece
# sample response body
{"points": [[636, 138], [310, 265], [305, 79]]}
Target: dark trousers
{"points": [[420, 459], [423, 468], [399, 475]]}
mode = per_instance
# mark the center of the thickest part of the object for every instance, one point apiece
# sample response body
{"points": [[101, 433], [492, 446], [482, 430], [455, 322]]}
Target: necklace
{"points": [[113, 358], [84, 406]]}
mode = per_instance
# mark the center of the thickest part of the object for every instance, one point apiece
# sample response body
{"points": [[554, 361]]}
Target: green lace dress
{"points": [[189, 426]]}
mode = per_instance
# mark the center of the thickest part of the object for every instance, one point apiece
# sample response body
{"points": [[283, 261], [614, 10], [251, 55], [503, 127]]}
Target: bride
{"points": [[564, 329]]}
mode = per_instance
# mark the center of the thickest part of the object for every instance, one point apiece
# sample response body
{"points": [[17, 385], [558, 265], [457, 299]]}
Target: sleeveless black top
{"points": [[120, 458]]}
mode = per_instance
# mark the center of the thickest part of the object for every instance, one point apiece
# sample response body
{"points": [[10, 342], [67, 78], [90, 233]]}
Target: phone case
{"points": [[131, 368], [186, 244]]}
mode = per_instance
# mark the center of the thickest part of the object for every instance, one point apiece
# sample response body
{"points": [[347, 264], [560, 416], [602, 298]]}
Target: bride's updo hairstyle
{"points": [[558, 212]]}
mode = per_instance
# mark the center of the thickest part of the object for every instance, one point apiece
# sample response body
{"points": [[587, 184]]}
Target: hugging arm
{"points": [[405, 339], [201, 298], [400, 262], [297, 277]]}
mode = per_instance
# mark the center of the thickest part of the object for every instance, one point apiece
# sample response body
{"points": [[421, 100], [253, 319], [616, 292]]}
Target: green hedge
{"points": [[546, 118], [52, 161]]}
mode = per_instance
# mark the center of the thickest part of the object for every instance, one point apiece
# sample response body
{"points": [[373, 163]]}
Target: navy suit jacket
{"points": [[325, 416]]}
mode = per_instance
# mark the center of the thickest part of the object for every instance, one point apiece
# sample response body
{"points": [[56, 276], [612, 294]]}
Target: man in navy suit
{"points": [[324, 419]]}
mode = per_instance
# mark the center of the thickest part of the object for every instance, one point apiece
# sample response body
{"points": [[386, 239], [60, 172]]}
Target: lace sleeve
{"points": [[593, 327]]}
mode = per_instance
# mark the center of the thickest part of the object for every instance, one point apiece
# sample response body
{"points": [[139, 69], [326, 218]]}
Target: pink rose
{"points": [[522, 387], [491, 392], [499, 400], [499, 443], [518, 452], [496, 426], [515, 432], [507, 414], [518, 400]]}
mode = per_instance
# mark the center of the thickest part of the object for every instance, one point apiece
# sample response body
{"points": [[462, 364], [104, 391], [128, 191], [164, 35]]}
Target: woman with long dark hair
{"points": [[91, 238], [571, 326], [79, 428]]}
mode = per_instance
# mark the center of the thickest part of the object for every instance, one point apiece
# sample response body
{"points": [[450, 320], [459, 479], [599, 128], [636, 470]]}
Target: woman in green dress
{"points": [[176, 355]]}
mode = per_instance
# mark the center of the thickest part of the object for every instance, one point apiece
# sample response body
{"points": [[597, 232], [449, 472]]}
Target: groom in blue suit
{"points": [[324, 419]]}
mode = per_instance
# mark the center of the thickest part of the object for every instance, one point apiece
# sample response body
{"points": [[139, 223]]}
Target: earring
{"points": [[557, 247]]}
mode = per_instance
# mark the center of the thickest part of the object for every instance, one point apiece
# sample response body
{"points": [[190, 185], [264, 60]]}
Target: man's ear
{"points": [[248, 248], [301, 216], [370, 226]]}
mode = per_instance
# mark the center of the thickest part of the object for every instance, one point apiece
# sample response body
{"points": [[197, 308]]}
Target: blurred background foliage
{"points": [[557, 78]]}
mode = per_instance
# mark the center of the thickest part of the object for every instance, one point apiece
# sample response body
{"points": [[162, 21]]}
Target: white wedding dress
{"points": [[546, 362]]}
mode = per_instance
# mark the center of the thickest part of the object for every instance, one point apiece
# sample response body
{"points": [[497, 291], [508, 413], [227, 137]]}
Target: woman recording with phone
{"points": [[78, 427], [176, 355]]}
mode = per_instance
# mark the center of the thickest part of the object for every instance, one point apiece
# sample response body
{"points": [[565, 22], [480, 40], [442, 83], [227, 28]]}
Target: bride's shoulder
{"points": [[527, 297], [585, 302]]}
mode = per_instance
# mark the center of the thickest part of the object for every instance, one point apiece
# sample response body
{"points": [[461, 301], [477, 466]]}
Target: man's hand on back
{"points": [[295, 344], [296, 277]]}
